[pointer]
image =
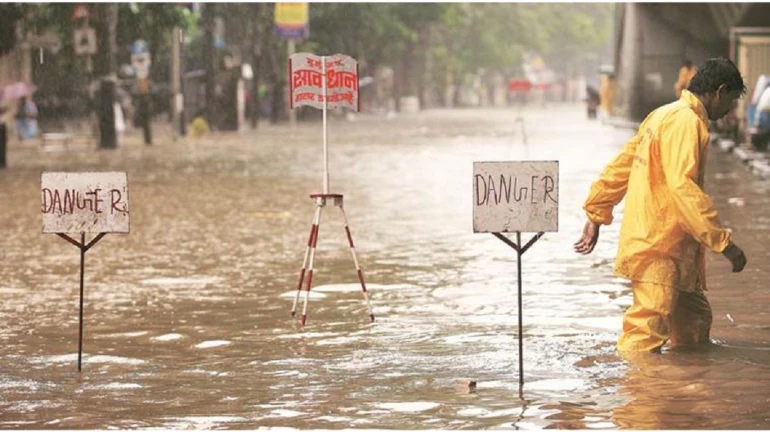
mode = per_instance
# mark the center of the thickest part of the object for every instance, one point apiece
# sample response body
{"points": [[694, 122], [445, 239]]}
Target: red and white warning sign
{"points": [[307, 73]]}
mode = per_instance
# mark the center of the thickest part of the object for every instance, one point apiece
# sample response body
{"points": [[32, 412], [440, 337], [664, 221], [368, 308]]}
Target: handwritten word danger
{"points": [[507, 189], [69, 201]]}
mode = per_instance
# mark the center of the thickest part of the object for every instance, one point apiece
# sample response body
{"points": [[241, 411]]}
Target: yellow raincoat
{"points": [[607, 91], [668, 219]]}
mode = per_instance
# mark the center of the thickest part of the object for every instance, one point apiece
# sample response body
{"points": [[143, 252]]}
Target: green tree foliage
{"points": [[457, 39], [10, 14]]}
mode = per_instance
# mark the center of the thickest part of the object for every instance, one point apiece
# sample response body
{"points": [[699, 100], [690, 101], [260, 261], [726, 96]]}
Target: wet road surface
{"points": [[187, 317]]}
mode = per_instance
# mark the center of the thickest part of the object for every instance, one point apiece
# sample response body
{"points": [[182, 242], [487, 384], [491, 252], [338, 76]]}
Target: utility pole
{"points": [[292, 116]]}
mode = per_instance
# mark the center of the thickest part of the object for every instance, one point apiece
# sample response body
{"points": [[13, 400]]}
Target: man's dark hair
{"points": [[715, 72], [687, 63]]}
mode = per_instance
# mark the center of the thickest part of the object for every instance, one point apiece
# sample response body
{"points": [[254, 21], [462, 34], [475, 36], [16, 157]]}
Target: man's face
{"points": [[722, 103]]}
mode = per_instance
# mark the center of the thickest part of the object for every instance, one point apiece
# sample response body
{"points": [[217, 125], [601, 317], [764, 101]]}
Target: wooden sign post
{"points": [[87, 202], [324, 82], [516, 197]]}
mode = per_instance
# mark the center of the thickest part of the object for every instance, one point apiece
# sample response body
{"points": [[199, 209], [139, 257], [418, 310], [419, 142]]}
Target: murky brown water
{"points": [[187, 317]]}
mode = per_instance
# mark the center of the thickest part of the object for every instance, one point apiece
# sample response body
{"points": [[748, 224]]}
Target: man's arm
{"points": [[606, 193], [680, 153], [612, 185]]}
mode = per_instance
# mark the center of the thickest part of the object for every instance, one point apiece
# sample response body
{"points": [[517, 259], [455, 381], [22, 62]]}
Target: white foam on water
{"points": [[121, 335], [472, 412], [212, 344], [304, 335], [335, 419], [201, 422], [314, 295], [284, 413], [337, 341], [557, 384], [13, 291], [168, 337], [119, 386], [68, 358], [196, 281], [408, 406]]}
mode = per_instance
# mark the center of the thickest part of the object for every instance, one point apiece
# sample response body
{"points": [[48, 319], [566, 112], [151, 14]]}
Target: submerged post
{"points": [[521, 320], [82, 277]]}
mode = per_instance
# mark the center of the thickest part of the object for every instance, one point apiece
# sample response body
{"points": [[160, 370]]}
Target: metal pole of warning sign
{"points": [[521, 328], [82, 271]]}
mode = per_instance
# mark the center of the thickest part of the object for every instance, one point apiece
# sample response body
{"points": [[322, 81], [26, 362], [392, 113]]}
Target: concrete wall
{"points": [[654, 39]]}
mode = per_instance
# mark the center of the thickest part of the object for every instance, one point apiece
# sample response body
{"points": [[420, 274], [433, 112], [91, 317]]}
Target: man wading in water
{"points": [[669, 220]]}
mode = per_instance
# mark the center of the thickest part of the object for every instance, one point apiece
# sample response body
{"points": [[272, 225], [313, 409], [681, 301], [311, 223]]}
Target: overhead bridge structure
{"points": [[652, 39]]}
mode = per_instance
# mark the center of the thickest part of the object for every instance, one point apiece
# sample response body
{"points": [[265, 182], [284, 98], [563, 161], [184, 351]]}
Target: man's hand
{"points": [[733, 253], [588, 241]]}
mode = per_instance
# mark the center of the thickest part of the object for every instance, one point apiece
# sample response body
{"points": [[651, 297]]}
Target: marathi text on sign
{"points": [[516, 196], [306, 76], [94, 202]]}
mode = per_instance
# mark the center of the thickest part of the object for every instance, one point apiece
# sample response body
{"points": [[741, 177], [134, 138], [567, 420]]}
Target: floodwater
{"points": [[187, 318]]}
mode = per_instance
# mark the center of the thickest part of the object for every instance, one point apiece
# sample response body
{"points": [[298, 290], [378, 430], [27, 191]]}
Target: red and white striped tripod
{"points": [[306, 73], [320, 203]]}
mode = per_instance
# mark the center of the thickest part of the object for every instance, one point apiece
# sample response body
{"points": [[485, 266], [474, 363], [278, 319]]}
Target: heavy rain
{"points": [[156, 170]]}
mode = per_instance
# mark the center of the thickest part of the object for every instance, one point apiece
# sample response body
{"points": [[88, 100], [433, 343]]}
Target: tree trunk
{"points": [[210, 55], [422, 65], [255, 59], [105, 68], [398, 68]]}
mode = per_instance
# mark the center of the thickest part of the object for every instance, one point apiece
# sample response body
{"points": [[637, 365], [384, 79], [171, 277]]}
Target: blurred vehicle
{"points": [[758, 128]]}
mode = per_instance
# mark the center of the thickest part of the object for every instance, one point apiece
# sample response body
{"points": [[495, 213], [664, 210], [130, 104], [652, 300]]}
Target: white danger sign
{"points": [[91, 202], [516, 196]]}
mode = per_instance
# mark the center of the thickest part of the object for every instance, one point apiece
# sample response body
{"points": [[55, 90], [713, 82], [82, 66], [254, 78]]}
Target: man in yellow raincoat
{"points": [[669, 220], [607, 91]]}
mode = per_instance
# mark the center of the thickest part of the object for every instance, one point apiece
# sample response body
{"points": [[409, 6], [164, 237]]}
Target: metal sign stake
{"points": [[519, 252], [83, 249]]}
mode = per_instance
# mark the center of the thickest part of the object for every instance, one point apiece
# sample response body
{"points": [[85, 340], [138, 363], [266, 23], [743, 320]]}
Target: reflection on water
{"points": [[187, 318]]}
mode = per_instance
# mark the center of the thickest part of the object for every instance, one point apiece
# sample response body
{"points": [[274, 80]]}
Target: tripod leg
{"points": [[310, 266], [313, 230], [358, 267]]}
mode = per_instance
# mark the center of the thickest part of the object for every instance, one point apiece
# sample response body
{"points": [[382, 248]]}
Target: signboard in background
{"points": [[292, 20], [516, 196], [86, 202], [84, 41], [306, 81], [80, 12]]}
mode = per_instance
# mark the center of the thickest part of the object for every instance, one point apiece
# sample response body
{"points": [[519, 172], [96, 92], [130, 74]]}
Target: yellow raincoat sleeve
{"points": [[680, 156], [612, 185]]}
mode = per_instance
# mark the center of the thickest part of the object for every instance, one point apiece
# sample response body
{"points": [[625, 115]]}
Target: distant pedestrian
{"points": [[686, 72], [592, 101], [607, 92], [26, 119], [669, 220]]}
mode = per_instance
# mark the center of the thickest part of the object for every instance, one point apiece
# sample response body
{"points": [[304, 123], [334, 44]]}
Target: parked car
{"points": [[759, 125]]}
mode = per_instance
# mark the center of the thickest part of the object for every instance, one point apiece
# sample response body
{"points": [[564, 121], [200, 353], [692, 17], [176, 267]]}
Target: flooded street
{"points": [[187, 318]]}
